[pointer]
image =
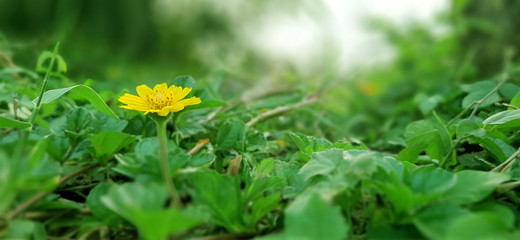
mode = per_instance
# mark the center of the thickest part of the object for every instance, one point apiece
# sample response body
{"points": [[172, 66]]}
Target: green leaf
{"points": [[188, 129], [147, 146], [402, 197], [515, 101], [201, 159], [259, 186], [11, 123], [391, 166], [230, 133], [221, 195], [158, 224], [183, 81], [515, 171], [82, 90], [264, 168], [479, 90], [143, 206], [479, 226], [262, 206], [46, 169], [351, 162], [24, 229], [104, 122], [133, 165], [507, 215], [359, 163], [47, 55], [509, 90], [38, 153], [289, 172], [97, 207], [308, 145], [442, 144], [78, 119], [434, 221], [472, 186], [78, 125], [465, 127], [425, 135], [427, 104], [106, 143], [431, 180], [381, 230], [256, 142], [322, 163], [505, 119], [311, 217], [418, 135], [145, 159], [500, 149]]}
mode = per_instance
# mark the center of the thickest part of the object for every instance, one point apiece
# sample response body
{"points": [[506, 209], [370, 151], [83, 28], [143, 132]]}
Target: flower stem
{"points": [[36, 109], [165, 166]]}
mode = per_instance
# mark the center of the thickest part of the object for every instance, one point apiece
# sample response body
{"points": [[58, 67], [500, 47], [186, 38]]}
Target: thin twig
{"points": [[36, 215], [200, 144], [508, 166], [506, 105], [506, 163], [246, 97], [42, 194], [504, 187], [280, 110], [80, 187]]}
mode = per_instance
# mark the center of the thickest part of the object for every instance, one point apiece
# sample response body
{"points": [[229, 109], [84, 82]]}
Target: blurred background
{"points": [[377, 64]]}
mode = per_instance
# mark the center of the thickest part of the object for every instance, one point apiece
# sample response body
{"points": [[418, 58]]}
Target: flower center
{"points": [[159, 100]]}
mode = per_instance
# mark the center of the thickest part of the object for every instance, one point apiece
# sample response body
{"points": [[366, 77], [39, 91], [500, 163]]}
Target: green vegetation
{"points": [[424, 147]]}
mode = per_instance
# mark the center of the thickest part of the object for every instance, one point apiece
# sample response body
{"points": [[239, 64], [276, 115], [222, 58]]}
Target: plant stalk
{"points": [[507, 163], [165, 166], [44, 85]]}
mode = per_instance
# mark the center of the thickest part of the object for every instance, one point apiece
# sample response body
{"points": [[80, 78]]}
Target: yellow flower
{"points": [[161, 100]]}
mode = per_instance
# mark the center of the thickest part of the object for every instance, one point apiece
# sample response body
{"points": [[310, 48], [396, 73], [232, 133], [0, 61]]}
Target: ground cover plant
{"points": [[75, 165]]}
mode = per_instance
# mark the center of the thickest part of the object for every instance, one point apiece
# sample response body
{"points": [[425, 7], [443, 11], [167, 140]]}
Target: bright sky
{"points": [[302, 38]]}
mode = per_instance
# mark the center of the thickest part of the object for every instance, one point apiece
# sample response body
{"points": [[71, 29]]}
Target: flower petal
{"points": [[143, 90], [189, 101], [160, 87], [173, 89], [163, 112], [181, 94], [131, 107], [175, 107], [131, 99]]}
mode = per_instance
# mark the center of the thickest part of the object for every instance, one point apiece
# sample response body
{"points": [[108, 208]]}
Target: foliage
{"points": [[252, 178], [434, 157]]}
